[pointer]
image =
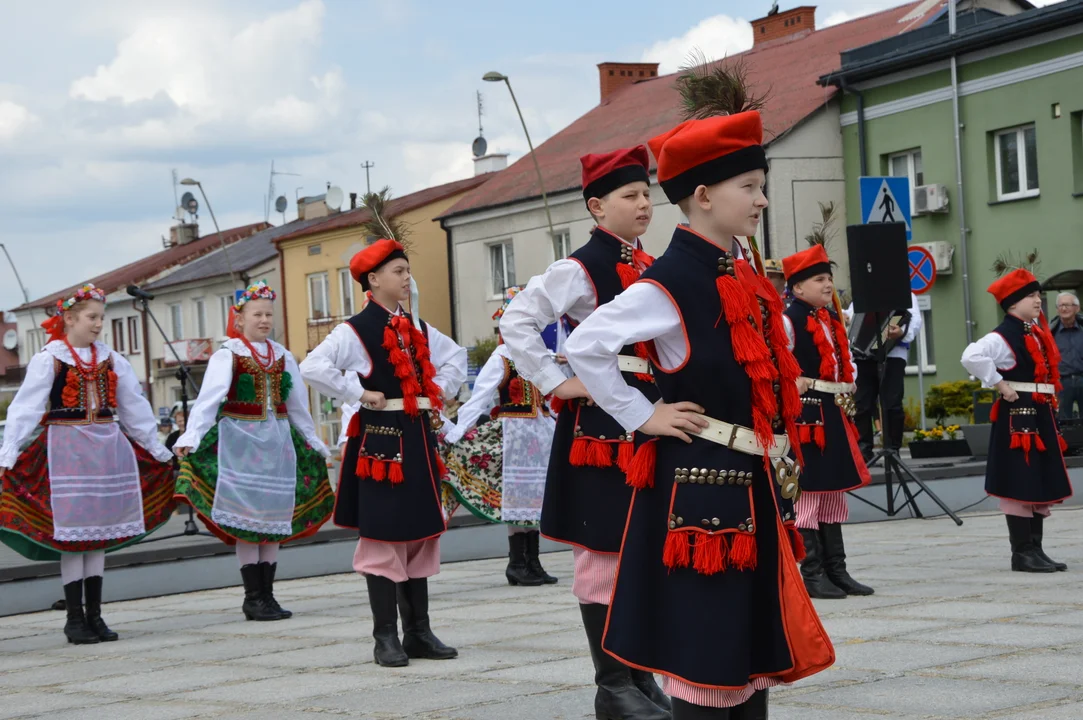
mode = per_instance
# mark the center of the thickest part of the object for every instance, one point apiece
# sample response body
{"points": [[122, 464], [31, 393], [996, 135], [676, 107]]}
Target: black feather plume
{"points": [[715, 88]]}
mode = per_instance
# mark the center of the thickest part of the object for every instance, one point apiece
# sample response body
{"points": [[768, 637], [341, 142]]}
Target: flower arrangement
{"points": [[940, 432]]}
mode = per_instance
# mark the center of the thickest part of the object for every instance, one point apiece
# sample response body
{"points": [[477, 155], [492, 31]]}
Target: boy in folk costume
{"points": [[833, 462], [594, 462], [389, 490], [87, 484], [708, 592], [1026, 451], [498, 470], [253, 466]]}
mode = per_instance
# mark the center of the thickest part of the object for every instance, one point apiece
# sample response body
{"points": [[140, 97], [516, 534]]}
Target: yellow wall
{"points": [[428, 263]]}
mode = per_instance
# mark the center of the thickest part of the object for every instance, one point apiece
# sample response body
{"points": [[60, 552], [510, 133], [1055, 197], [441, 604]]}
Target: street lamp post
{"points": [[222, 240], [500, 77]]}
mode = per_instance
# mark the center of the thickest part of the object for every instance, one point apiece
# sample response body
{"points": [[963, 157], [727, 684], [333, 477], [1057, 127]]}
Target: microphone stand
{"points": [[185, 376]]}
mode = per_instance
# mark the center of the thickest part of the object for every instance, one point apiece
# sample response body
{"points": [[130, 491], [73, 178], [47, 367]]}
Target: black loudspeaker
{"points": [[879, 269]]}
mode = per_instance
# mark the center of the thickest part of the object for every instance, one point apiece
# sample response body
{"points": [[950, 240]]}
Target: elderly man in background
{"points": [[1068, 332]]}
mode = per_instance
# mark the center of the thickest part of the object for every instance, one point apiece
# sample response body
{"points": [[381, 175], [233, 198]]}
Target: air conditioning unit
{"points": [[930, 199], [942, 253]]}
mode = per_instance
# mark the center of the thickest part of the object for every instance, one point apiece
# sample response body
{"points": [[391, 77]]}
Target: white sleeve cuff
{"points": [[637, 415], [549, 377]]}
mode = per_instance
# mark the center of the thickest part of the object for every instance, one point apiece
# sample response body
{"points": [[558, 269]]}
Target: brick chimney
{"points": [[613, 76], [783, 24]]}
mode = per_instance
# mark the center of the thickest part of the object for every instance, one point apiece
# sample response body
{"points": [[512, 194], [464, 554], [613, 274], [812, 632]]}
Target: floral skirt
{"points": [[26, 516], [313, 507]]}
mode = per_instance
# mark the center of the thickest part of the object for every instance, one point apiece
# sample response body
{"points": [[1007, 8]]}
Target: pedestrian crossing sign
{"points": [[886, 200]]}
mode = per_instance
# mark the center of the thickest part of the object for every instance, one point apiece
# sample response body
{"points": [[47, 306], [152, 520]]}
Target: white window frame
{"points": [[1021, 146], [326, 297], [35, 341], [911, 170], [922, 347], [562, 244], [498, 293], [135, 346], [118, 338], [200, 305], [346, 293], [176, 321]]}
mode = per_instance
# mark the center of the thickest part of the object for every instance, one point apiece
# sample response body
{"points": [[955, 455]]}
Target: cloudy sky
{"points": [[100, 102]]}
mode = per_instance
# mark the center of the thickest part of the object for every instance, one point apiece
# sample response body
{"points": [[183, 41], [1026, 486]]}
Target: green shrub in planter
{"points": [[951, 399]]}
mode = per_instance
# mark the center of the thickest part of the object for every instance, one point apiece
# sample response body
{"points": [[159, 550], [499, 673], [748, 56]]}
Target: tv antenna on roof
{"points": [[271, 190], [480, 146]]}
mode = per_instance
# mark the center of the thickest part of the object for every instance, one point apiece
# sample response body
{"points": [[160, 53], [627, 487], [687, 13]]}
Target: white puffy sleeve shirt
{"points": [[483, 400], [31, 402], [984, 357], [333, 367]]}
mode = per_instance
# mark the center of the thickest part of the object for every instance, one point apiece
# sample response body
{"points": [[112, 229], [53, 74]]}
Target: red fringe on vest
{"points": [[640, 473], [797, 542], [628, 275], [709, 553], [625, 454], [1024, 440], [399, 336], [394, 472]]}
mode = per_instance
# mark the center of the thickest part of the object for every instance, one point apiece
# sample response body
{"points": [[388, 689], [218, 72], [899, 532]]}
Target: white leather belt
{"points": [[834, 388], [633, 364], [396, 404], [1040, 388], [742, 439]]}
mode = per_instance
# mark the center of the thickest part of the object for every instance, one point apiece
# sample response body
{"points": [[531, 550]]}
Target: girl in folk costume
{"points": [[389, 490], [1026, 451], [833, 462], [87, 484], [708, 592], [498, 470], [253, 464], [595, 464]]}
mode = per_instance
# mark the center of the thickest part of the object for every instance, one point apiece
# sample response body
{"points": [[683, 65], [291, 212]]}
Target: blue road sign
{"points": [[922, 270], [886, 200]]}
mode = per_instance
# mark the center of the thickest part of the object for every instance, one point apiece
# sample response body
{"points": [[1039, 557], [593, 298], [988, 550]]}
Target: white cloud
{"points": [[715, 37], [14, 119], [432, 163]]}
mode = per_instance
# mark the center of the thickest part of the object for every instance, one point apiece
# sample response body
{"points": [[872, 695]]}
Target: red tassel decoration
{"points": [[797, 542], [994, 413], [1063, 443], [599, 454], [1038, 442], [379, 470], [556, 404], [111, 389], [819, 338], [640, 473], [394, 472], [818, 435], [677, 552], [743, 552], [627, 274], [354, 428], [710, 555], [625, 455], [804, 433], [364, 467], [579, 453]]}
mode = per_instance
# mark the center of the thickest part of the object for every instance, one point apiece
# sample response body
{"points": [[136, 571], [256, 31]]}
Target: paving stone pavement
{"points": [[950, 633]]}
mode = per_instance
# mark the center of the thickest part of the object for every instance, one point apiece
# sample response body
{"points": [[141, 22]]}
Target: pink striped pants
{"points": [[397, 562], [595, 576], [713, 697], [814, 508], [1021, 509]]}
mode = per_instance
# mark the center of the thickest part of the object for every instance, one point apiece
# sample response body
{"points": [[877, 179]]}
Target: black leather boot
{"points": [[1025, 557], [267, 575], [834, 553], [687, 711], [533, 562], [649, 686], [418, 639], [94, 620], [617, 698], [76, 628], [518, 573], [1036, 533], [812, 569], [255, 606], [755, 708], [385, 623]]}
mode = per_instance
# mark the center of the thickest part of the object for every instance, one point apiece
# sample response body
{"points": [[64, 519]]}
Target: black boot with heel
{"points": [[385, 622], [93, 586], [76, 628]]}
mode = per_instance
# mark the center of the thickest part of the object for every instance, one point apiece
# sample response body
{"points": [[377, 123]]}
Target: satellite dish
{"points": [[480, 146], [334, 197], [189, 203], [11, 340], [280, 204]]}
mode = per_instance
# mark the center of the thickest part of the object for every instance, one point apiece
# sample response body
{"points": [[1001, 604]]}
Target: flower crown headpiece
{"points": [[87, 292], [255, 291], [508, 295]]}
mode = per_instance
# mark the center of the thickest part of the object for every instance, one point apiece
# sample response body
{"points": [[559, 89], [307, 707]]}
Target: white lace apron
{"points": [[527, 442], [93, 483], [257, 476]]}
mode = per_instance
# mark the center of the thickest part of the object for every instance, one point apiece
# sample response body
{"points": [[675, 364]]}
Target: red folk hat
{"points": [[1013, 287], [373, 258], [805, 264], [708, 151], [605, 172]]}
